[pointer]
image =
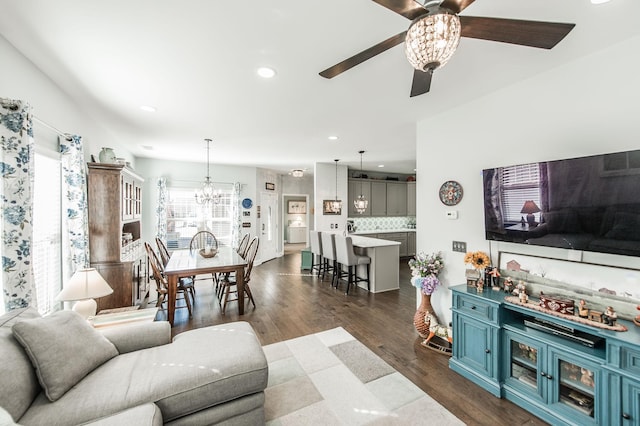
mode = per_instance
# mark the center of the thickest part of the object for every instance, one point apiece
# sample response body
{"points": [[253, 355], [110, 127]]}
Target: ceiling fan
{"points": [[433, 36]]}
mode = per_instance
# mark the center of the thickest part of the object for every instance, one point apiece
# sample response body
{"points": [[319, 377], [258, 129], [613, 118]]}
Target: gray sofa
{"points": [[58, 370]]}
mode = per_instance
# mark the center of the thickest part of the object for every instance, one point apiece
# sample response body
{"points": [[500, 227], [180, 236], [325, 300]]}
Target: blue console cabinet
{"points": [[562, 381]]}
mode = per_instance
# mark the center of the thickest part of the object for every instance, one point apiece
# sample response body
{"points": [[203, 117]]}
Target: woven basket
{"points": [[204, 254]]}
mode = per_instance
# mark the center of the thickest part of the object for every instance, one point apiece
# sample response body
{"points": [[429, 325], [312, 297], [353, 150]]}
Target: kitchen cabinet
{"points": [[378, 201], [411, 243], [297, 234], [400, 237], [114, 198], [357, 187], [396, 199], [411, 198]]}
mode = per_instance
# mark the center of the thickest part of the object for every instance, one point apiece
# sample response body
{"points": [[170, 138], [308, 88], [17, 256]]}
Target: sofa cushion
{"points": [[141, 415], [63, 348], [626, 226], [562, 221], [19, 381], [202, 368]]}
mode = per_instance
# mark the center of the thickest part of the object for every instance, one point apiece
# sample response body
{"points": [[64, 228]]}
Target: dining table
{"points": [[187, 263]]}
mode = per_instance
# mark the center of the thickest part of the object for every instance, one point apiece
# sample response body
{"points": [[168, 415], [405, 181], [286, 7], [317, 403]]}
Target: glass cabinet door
{"points": [[523, 370], [577, 383]]}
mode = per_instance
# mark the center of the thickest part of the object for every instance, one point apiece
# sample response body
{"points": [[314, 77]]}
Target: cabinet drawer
{"points": [[630, 360], [476, 307]]}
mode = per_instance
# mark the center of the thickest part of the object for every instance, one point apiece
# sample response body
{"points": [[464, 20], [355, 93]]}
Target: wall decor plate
{"points": [[450, 193], [247, 203]]}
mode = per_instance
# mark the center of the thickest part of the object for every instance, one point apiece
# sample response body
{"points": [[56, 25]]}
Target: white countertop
{"points": [[383, 231], [368, 242]]}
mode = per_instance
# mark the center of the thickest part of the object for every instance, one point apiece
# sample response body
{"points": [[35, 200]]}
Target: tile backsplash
{"points": [[378, 223]]}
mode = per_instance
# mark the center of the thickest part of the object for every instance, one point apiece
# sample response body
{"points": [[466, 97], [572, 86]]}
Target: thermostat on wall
{"points": [[452, 214]]}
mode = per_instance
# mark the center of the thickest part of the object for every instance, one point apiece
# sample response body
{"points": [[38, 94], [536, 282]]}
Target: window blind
{"points": [[520, 183]]}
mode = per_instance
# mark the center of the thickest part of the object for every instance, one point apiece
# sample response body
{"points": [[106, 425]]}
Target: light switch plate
{"points": [[459, 246]]}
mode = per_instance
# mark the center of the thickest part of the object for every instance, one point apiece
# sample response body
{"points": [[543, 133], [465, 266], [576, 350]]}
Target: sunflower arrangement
{"points": [[478, 259]]}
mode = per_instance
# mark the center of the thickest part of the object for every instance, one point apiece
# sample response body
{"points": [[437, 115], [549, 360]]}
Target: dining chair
{"points": [[201, 240], [329, 255], [244, 243], [228, 285], [347, 257], [185, 285], [163, 250], [316, 252]]}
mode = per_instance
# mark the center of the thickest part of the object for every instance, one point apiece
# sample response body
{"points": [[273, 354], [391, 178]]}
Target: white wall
{"points": [[20, 79], [325, 189], [587, 107]]}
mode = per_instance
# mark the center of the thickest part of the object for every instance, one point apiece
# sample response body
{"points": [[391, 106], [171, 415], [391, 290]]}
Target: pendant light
{"points": [[207, 193], [336, 204], [361, 203]]}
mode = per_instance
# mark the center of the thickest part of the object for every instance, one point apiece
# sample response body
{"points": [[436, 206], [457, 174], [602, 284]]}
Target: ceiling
{"points": [[196, 60]]}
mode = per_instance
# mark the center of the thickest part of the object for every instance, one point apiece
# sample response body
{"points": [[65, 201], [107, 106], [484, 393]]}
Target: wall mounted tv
{"points": [[588, 203]]}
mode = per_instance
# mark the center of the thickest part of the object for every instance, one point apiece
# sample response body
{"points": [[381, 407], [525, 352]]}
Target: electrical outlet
{"points": [[460, 246], [335, 225], [332, 226]]}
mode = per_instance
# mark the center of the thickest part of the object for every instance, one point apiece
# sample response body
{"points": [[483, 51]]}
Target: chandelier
{"points": [[361, 203], [336, 204], [432, 39], [297, 173], [207, 193]]}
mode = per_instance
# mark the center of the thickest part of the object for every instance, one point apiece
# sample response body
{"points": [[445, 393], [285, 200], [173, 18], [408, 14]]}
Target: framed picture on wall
{"points": [[329, 207], [296, 207]]}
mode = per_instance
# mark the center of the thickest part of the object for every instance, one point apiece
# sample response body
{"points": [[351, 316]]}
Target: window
{"points": [[519, 184], [47, 246], [185, 217]]}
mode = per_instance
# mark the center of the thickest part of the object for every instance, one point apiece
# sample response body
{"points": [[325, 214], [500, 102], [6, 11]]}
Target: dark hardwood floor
{"points": [[291, 303]]}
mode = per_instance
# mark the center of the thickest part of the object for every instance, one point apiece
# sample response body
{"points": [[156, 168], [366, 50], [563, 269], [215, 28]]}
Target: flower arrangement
{"points": [[425, 270], [478, 259]]}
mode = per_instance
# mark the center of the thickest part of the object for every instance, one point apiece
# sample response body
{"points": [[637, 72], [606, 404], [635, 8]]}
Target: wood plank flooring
{"points": [[291, 303]]}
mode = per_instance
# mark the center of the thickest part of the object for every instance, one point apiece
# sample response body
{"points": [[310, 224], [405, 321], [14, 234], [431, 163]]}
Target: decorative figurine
{"points": [[586, 378], [636, 320], [480, 285], [522, 295], [508, 285], [495, 278], [609, 316], [583, 311]]}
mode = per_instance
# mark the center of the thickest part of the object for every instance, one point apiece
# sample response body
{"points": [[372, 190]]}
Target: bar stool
{"points": [[316, 251], [346, 256], [329, 255]]}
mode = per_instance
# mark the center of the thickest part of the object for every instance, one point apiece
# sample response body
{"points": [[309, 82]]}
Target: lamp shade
{"points": [[84, 284], [530, 207]]}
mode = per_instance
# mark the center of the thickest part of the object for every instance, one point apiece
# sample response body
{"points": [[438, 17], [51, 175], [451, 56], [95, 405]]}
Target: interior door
{"points": [[269, 233]]}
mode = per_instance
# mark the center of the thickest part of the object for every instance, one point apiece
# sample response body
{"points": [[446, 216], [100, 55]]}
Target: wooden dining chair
{"points": [[201, 240], [244, 244], [163, 250], [185, 285], [229, 286]]}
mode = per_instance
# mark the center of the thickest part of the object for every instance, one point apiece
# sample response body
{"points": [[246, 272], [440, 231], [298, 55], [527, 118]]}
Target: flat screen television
{"points": [[587, 203]]}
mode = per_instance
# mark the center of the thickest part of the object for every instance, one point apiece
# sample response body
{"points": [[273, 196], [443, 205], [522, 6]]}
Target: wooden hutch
{"points": [[115, 244]]}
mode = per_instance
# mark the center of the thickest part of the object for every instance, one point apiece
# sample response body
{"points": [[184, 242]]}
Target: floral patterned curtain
{"points": [[16, 137], [161, 209], [75, 243], [235, 214]]}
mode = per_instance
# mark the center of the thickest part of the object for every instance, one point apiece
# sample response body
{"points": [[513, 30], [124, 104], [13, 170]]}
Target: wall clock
{"points": [[450, 193], [247, 203]]}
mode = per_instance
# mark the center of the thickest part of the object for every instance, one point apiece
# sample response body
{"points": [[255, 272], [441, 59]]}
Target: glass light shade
{"points": [[361, 204], [432, 39], [297, 173]]}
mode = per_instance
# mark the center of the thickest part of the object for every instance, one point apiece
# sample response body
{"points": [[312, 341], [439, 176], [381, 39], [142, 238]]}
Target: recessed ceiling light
{"points": [[333, 138], [266, 72], [381, 165], [148, 108], [599, 1]]}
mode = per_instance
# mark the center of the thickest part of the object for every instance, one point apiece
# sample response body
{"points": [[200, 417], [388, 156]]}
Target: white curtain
{"points": [[161, 209]]}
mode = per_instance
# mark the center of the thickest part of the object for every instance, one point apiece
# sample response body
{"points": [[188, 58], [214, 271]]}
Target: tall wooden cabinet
{"points": [[115, 244]]}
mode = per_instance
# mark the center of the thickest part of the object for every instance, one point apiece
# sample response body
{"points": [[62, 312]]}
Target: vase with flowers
{"points": [[424, 276], [479, 261]]}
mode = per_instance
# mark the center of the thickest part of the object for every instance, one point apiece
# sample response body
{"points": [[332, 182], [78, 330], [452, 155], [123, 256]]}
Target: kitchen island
{"points": [[384, 271]]}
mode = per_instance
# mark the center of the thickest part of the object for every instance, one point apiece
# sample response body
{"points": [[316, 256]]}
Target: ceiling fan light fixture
{"points": [[432, 39]]}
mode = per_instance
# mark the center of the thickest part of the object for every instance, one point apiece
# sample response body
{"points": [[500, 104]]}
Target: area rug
{"points": [[330, 378]]}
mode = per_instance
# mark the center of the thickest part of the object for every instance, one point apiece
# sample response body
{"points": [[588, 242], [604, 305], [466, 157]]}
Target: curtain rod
{"points": [[12, 105]]}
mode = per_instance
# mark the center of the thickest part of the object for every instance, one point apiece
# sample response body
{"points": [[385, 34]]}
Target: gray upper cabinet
{"points": [[357, 187], [411, 198], [378, 202], [396, 199]]}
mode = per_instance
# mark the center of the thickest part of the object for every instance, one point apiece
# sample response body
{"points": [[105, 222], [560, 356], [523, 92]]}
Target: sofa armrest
{"points": [[142, 415], [134, 337]]}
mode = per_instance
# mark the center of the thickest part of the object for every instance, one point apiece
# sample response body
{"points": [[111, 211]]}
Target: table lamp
{"points": [[530, 207], [85, 285]]}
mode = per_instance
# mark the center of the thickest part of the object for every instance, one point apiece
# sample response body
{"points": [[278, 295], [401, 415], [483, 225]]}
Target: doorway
{"points": [[295, 222], [269, 234]]}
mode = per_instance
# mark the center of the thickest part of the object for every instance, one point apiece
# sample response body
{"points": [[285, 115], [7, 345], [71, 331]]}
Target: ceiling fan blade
{"points": [[410, 9], [421, 82], [363, 56], [456, 6], [544, 35]]}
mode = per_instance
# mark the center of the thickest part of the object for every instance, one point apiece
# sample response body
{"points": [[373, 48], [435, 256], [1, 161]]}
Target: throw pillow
{"points": [[63, 348]]}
